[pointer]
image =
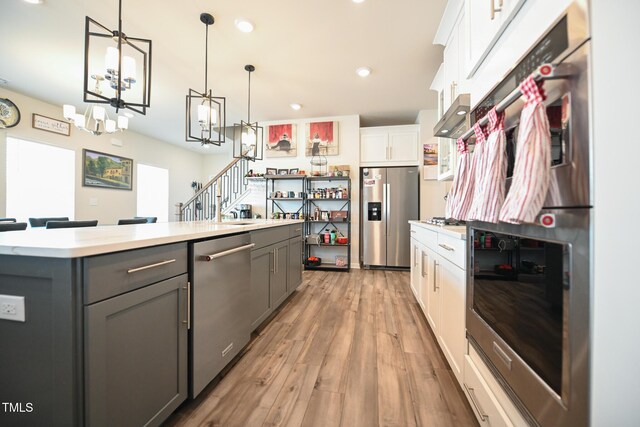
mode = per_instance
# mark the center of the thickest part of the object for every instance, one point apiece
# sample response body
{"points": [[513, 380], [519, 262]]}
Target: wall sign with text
{"points": [[48, 124]]}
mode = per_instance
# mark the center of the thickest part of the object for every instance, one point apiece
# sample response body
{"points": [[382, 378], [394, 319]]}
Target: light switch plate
{"points": [[12, 308], [117, 142]]}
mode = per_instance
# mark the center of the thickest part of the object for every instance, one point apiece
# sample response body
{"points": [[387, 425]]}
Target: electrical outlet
{"points": [[12, 308]]}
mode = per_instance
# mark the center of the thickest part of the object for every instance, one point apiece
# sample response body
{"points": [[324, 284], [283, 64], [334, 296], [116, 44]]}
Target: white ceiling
{"points": [[304, 51]]}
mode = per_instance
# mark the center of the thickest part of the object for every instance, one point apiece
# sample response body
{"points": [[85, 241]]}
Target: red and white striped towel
{"points": [[532, 167], [465, 200], [492, 172], [459, 179]]}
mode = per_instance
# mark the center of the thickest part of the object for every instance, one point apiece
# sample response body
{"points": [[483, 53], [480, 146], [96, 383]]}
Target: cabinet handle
{"points": [[386, 153], [435, 276], [474, 400], [495, 9], [298, 229], [390, 152], [275, 261], [449, 248], [146, 267], [188, 321], [227, 252], [423, 264]]}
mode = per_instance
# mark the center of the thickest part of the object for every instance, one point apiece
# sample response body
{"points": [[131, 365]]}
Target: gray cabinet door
{"points": [[295, 264], [279, 273], [136, 355], [261, 268]]}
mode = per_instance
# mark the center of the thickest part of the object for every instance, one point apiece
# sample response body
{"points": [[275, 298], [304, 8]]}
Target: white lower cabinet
{"points": [[438, 281], [490, 403], [484, 403], [452, 332], [415, 268]]}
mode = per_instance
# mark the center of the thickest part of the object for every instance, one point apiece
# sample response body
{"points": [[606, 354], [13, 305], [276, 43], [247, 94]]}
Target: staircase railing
{"points": [[218, 194]]}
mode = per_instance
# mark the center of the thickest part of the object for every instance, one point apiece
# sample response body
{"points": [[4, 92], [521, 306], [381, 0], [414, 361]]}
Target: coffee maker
{"points": [[245, 211]]}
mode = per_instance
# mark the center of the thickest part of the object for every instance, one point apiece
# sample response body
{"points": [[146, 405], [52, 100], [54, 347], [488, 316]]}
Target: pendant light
{"points": [[206, 114], [95, 120], [119, 65], [247, 136]]}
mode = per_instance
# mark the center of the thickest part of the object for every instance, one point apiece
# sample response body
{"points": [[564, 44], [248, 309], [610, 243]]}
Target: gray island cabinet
{"points": [[105, 336]]}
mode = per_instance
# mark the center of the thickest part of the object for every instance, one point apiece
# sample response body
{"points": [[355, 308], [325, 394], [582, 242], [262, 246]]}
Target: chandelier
{"points": [[95, 120], [206, 114], [114, 57], [247, 136]]}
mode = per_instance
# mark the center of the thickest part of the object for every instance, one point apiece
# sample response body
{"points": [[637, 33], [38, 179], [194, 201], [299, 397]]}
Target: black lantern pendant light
{"points": [[247, 136], [206, 114], [115, 62]]}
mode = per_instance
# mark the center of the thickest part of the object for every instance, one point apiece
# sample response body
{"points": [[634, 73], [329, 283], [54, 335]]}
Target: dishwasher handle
{"points": [[211, 257]]}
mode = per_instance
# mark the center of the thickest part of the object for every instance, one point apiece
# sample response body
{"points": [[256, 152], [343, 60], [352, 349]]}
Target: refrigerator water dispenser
{"points": [[375, 211]]}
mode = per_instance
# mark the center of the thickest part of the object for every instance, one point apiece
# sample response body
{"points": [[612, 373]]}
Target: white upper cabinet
{"points": [[390, 145], [455, 55], [487, 20]]}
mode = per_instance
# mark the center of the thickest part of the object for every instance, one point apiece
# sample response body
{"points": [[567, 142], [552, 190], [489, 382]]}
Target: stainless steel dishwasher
{"points": [[220, 321]]}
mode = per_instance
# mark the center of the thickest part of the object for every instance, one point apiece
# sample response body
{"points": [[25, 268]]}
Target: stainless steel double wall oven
{"points": [[528, 293]]}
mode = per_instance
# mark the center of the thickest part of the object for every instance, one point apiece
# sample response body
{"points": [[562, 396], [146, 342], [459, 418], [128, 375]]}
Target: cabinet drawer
{"points": [[113, 274], [269, 236], [426, 237], [452, 249], [295, 230], [482, 400]]}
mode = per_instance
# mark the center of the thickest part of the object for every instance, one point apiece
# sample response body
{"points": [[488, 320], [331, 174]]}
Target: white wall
{"points": [[432, 192], [349, 149], [615, 349], [184, 166]]}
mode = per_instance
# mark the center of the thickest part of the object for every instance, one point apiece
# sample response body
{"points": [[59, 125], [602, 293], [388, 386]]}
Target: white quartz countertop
{"points": [[458, 231], [80, 242]]}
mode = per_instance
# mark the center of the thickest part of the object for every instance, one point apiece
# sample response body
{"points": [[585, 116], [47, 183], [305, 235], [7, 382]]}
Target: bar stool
{"points": [[150, 219], [132, 221], [71, 224], [12, 226], [41, 222]]}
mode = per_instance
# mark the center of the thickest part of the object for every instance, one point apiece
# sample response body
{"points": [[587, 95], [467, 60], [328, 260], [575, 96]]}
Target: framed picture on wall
{"points": [[321, 139], [430, 162], [294, 171], [106, 170], [281, 141], [271, 171], [283, 171]]}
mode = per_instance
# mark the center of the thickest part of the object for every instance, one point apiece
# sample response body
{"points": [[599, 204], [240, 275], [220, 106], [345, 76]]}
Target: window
{"points": [[40, 180], [153, 192]]}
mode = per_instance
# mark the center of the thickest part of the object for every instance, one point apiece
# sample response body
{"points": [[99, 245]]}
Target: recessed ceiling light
{"points": [[244, 25], [295, 106], [444, 131], [461, 113], [127, 114], [34, 1], [363, 71]]}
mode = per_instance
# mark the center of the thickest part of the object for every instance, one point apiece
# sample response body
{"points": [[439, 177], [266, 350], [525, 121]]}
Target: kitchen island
{"points": [[108, 312]]}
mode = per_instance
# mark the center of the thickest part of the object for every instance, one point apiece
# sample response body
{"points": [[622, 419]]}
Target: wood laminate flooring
{"points": [[347, 349]]}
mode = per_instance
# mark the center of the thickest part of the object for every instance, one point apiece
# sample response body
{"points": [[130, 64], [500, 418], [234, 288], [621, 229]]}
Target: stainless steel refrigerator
{"points": [[390, 198]]}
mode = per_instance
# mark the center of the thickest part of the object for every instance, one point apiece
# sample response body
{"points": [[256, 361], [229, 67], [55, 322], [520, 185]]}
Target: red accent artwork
{"points": [[321, 139], [323, 129], [276, 132]]}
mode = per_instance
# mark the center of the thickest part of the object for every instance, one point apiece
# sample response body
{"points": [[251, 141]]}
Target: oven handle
{"points": [[501, 353]]}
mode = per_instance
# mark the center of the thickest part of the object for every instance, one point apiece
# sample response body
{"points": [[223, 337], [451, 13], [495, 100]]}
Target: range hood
{"points": [[455, 121]]}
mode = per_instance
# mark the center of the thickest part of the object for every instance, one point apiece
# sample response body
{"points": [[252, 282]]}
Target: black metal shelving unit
{"points": [[328, 204], [278, 203]]}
